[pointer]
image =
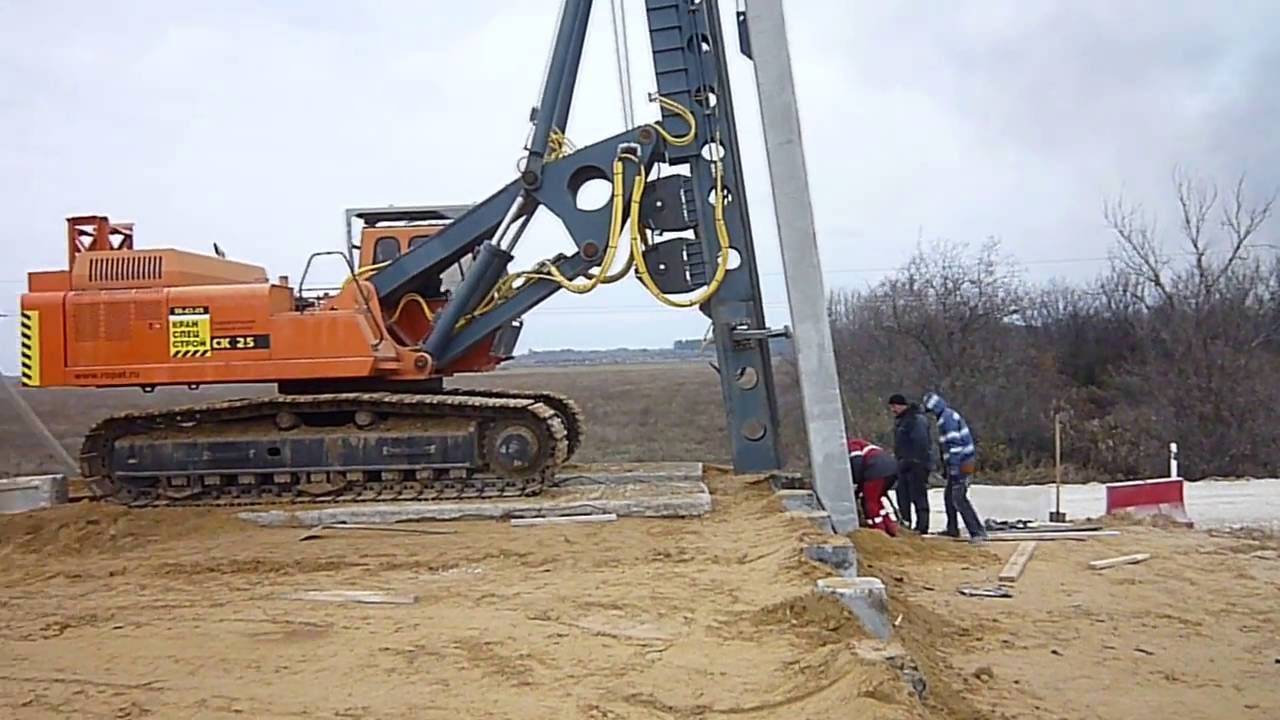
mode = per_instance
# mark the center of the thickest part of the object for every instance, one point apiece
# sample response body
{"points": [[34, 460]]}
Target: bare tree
{"points": [[1142, 255], [1199, 363], [947, 298], [1178, 340]]}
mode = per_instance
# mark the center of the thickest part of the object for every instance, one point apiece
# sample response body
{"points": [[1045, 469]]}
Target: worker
{"points": [[914, 450], [959, 457], [874, 472]]}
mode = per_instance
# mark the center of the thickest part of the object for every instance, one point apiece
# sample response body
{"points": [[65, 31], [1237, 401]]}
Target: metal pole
{"points": [[557, 92], [623, 53], [802, 270], [38, 427]]}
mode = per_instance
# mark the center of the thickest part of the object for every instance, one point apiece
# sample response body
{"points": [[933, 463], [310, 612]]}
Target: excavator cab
{"points": [[387, 233]]}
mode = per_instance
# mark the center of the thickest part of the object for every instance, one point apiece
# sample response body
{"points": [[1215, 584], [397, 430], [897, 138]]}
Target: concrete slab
{"points": [[866, 597], [898, 658], [842, 558], [32, 492], [798, 500], [628, 473], [647, 499], [789, 481], [821, 519]]}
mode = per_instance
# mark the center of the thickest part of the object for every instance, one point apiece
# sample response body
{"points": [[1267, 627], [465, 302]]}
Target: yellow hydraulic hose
{"points": [[416, 298], [559, 147], [722, 235]]}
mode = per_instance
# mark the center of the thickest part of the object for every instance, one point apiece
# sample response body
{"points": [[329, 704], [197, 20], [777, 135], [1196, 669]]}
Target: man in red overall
{"points": [[874, 472]]}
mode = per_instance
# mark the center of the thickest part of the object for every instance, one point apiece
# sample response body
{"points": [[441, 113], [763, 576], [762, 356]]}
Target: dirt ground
{"points": [[178, 613], [1194, 632]]}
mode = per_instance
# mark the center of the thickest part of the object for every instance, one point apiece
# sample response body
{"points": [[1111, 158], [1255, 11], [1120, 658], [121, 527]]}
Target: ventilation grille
{"points": [[112, 321], [148, 310], [125, 268], [86, 321]]}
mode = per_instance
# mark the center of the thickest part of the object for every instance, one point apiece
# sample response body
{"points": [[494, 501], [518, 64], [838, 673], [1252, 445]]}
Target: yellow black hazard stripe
{"points": [[201, 352], [30, 346]]}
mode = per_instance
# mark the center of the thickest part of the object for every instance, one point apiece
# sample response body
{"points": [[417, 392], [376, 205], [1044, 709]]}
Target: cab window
{"points": [[386, 249], [453, 276]]}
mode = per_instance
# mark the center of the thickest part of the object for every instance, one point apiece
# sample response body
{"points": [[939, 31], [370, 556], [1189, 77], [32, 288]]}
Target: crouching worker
{"points": [[874, 473]]}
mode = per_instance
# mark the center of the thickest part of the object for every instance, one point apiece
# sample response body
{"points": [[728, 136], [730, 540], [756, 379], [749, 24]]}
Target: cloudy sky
{"points": [[254, 124]]}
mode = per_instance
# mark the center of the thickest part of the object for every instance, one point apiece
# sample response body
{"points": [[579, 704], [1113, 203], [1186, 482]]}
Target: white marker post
{"points": [[1057, 515]]}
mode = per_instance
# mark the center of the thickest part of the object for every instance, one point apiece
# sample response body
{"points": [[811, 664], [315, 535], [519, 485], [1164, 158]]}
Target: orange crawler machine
{"points": [[361, 411]]}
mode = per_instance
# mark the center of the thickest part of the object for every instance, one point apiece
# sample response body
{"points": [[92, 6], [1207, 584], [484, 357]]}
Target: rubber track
{"points": [[562, 404], [488, 407]]}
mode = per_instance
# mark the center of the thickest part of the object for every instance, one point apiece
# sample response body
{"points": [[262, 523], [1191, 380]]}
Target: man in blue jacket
{"points": [[958, 462], [914, 450]]}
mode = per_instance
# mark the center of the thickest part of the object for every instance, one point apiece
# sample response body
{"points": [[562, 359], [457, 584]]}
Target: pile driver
{"points": [[360, 410]]}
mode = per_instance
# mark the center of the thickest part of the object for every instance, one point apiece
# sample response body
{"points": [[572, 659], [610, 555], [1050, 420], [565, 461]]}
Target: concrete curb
{"points": [[788, 481], [799, 500], [628, 473], [665, 499], [841, 558], [32, 492], [866, 597], [820, 519]]}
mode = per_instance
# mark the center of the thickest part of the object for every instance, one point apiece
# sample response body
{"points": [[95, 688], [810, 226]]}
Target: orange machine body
{"points": [[119, 316]]}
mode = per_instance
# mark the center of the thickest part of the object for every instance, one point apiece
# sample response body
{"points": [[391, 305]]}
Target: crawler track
{"points": [[345, 447]]}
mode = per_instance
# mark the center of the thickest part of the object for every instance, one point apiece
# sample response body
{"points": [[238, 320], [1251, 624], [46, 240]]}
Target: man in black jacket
{"points": [[914, 450]]}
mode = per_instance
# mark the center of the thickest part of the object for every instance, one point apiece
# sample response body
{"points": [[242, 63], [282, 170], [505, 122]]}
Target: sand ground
{"points": [[178, 613], [1194, 632]]}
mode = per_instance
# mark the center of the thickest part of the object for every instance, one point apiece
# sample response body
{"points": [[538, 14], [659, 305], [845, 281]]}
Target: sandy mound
{"points": [[84, 528], [182, 612]]}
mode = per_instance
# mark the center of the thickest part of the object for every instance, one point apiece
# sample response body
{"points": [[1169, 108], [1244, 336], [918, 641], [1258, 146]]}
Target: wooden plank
{"points": [[1046, 527], [1017, 562], [1122, 560], [564, 520], [390, 528], [315, 531], [369, 597], [1019, 536]]}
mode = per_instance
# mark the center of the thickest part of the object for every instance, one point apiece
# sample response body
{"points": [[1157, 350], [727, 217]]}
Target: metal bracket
{"points": [[677, 265], [669, 204], [743, 333]]}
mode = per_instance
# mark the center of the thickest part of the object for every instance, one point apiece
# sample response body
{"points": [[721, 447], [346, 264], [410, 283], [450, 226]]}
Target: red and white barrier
{"points": [[1146, 498]]}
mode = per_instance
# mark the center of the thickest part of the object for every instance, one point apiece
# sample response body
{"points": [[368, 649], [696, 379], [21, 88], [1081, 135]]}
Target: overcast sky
{"points": [[254, 124]]}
